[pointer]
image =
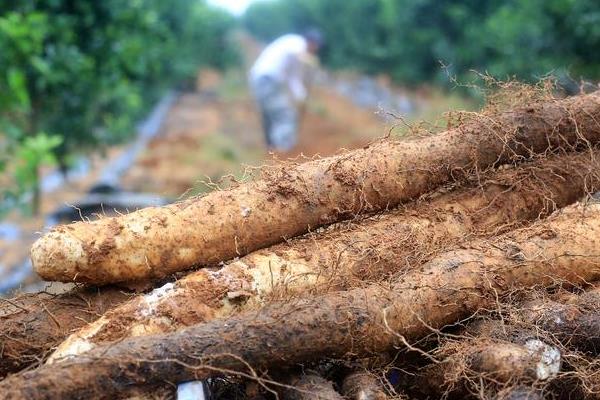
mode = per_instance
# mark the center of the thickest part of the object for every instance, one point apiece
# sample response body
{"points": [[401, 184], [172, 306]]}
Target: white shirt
{"points": [[284, 61]]}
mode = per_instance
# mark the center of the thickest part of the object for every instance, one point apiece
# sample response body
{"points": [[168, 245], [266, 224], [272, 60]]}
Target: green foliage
{"points": [[411, 39], [86, 71], [33, 152], [28, 156]]}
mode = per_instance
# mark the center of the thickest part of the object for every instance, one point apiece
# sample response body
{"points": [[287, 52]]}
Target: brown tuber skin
{"points": [[363, 386], [351, 254], [575, 325], [356, 323], [497, 353], [290, 201], [494, 356], [32, 325], [311, 387]]}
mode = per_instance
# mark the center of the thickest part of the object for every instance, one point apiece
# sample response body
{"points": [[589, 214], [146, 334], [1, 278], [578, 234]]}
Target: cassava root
{"points": [[289, 201], [31, 325], [492, 357], [356, 323], [363, 386], [351, 254], [311, 387], [575, 324]]}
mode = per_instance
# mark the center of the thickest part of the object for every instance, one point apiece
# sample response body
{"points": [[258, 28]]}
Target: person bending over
{"points": [[279, 79]]}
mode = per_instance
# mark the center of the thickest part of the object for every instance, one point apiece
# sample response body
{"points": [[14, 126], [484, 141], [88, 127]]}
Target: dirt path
{"points": [[216, 132]]}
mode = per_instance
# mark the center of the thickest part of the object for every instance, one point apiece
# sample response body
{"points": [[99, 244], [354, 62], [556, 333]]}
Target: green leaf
{"points": [[18, 87]]}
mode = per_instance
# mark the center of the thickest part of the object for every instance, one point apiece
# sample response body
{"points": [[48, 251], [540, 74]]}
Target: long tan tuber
{"points": [[369, 250], [290, 201], [491, 356], [355, 323]]}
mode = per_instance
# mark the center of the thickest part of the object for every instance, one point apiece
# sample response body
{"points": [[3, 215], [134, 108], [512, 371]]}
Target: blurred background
{"points": [[109, 106]]}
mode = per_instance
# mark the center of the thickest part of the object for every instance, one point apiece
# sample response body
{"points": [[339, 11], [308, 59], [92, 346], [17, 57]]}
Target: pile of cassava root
{"points": [[454, 265]]}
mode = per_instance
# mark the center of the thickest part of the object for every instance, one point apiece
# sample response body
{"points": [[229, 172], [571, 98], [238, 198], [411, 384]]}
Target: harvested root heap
{"points": [[360, 322], [289, 201], [370, 250], [474, 289]]}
